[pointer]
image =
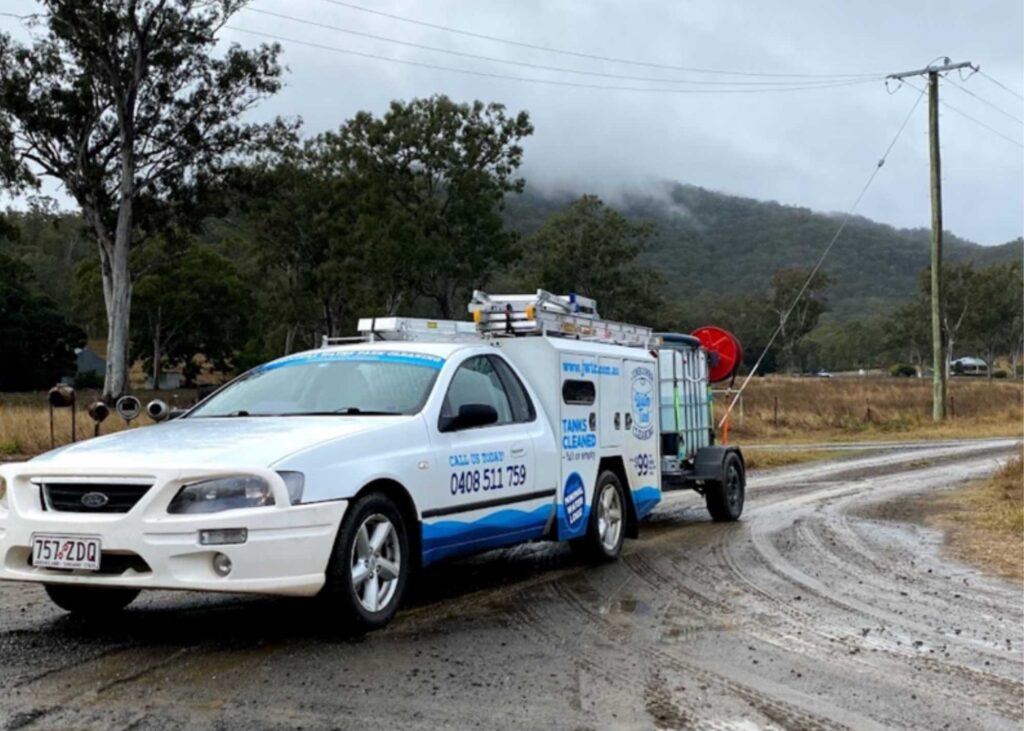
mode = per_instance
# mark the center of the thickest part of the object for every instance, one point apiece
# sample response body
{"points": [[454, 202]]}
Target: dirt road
{"points": [[814, 612]]}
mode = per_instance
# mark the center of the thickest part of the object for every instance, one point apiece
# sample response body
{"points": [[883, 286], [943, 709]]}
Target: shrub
{"points": [[1000, 374], [904, 370], [88, 379]]}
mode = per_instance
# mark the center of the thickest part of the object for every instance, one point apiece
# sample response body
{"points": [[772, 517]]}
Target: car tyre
{"points": [[369, 567], [92, 601], [606, 528], [724, 498]]}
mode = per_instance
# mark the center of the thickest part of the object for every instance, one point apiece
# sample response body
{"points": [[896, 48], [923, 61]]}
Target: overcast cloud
{"points": [[813, 148]]}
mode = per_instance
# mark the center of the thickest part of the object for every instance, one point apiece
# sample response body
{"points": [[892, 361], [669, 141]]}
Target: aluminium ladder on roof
{"points": [[548, 314]]}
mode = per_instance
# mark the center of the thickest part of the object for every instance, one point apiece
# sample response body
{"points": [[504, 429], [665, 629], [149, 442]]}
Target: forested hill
{"points": [[712, 246]]}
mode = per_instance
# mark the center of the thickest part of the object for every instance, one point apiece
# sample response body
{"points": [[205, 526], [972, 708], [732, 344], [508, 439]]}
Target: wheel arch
{"points": [[400, 496], [616, 466]]}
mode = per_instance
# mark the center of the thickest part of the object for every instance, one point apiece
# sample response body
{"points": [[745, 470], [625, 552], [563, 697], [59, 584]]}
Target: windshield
{"points": [[329, 382]]}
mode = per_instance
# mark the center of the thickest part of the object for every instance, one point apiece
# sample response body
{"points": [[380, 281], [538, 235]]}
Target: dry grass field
{"points": [[809, 410], [781, 409], [25, 420]]}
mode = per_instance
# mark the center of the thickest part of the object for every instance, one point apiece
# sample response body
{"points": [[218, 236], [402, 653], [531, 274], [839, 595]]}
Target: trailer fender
{"points": [[708, 462]]}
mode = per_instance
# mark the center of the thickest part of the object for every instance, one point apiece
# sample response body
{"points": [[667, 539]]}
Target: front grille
{"points": [[68, 497]]}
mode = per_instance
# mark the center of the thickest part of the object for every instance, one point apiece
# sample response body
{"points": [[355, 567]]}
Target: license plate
{"points": [[66, 552]]}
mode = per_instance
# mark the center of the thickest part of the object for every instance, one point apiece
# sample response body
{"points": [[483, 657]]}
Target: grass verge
{"points": [[984, 521], [757, 459]]}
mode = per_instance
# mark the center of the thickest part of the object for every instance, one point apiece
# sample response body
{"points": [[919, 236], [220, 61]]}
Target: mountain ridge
{"points": [[713, 245]]}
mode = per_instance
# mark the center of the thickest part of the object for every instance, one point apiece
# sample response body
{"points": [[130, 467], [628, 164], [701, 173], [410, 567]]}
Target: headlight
{"points": [[224, 493]]}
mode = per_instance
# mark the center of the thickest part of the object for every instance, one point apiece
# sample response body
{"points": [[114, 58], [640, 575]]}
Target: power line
{"points": [[964, 114], [580, 54], [986, 102], [821, 260], [550, 82], [1001, 85], [542, 67]]}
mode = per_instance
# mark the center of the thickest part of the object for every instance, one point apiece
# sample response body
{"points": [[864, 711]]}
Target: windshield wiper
{"points": [[229, 415], [345, 411]]}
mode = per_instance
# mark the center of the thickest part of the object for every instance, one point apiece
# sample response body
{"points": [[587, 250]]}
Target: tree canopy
{"points": [[126, 107], [38, 343], [592, 250], [434, 175]]}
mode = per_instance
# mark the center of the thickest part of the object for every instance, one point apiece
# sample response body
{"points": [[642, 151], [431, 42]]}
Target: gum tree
{"points": [[434, 176], [124, 104]]}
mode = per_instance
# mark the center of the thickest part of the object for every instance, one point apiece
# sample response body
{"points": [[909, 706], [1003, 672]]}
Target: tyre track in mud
{"points": [[698, 627], [767, 535], [925, 672], [787, 630]]}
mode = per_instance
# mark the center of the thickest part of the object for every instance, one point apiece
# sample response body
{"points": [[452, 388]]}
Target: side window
{"points": [[578, 392], [522, 406], [477, 382]]}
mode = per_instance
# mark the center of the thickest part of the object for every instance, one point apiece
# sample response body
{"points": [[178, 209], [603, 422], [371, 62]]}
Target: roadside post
{"points": [[98, 412], [61, 396]]}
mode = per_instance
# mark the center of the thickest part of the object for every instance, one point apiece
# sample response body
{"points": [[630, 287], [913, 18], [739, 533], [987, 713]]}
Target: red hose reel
{"points": [[725, 353]]}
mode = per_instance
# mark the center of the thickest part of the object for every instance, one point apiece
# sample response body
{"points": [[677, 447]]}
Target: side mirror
{"points": [[469, 416]]}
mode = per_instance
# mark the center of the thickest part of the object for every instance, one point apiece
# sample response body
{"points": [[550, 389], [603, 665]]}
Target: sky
{"points": [[812, 147]]}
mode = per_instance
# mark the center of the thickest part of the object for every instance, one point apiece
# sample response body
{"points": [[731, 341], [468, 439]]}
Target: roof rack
{"points": [[372, 329], [507, 315], [544, 313]]}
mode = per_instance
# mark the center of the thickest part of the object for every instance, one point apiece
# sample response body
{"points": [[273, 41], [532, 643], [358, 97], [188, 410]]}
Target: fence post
{"points": [[952, 407]]}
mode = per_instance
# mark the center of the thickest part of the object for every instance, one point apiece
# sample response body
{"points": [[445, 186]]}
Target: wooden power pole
{"points": [[938, 357]]}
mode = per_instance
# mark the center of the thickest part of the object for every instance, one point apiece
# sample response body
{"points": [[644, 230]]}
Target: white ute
{"points": [[340, 471]]}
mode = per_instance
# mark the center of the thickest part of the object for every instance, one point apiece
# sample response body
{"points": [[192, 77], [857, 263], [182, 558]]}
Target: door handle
{"points": [[518, 451]]}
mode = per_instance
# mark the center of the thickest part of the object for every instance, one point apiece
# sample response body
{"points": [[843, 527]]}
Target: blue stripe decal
{"points": [[359, 356], [451, 537], [645, 499]]}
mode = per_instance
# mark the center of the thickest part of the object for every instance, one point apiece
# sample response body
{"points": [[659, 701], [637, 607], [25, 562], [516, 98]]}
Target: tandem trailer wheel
{"points": [[724, 497]]}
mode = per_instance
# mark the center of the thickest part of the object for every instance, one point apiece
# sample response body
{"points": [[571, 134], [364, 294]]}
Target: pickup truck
{"points": [[339, 472]]}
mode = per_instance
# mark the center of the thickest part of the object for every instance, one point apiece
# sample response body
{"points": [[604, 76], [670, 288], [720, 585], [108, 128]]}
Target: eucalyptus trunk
{"points": [[117, 283]]}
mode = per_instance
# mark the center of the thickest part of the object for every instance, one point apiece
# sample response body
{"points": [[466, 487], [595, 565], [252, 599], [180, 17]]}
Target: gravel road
{"points": [[816, 611]]}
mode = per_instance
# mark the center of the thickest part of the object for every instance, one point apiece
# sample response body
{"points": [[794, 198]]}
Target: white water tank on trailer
{"points": [[684, 395]]}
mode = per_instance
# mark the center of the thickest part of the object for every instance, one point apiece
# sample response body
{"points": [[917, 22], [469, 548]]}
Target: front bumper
{"points": [[286, 552]]}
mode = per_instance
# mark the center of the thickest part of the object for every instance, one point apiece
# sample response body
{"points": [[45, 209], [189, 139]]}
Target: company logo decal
{"points": [[574, 498], [642, 403]]}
